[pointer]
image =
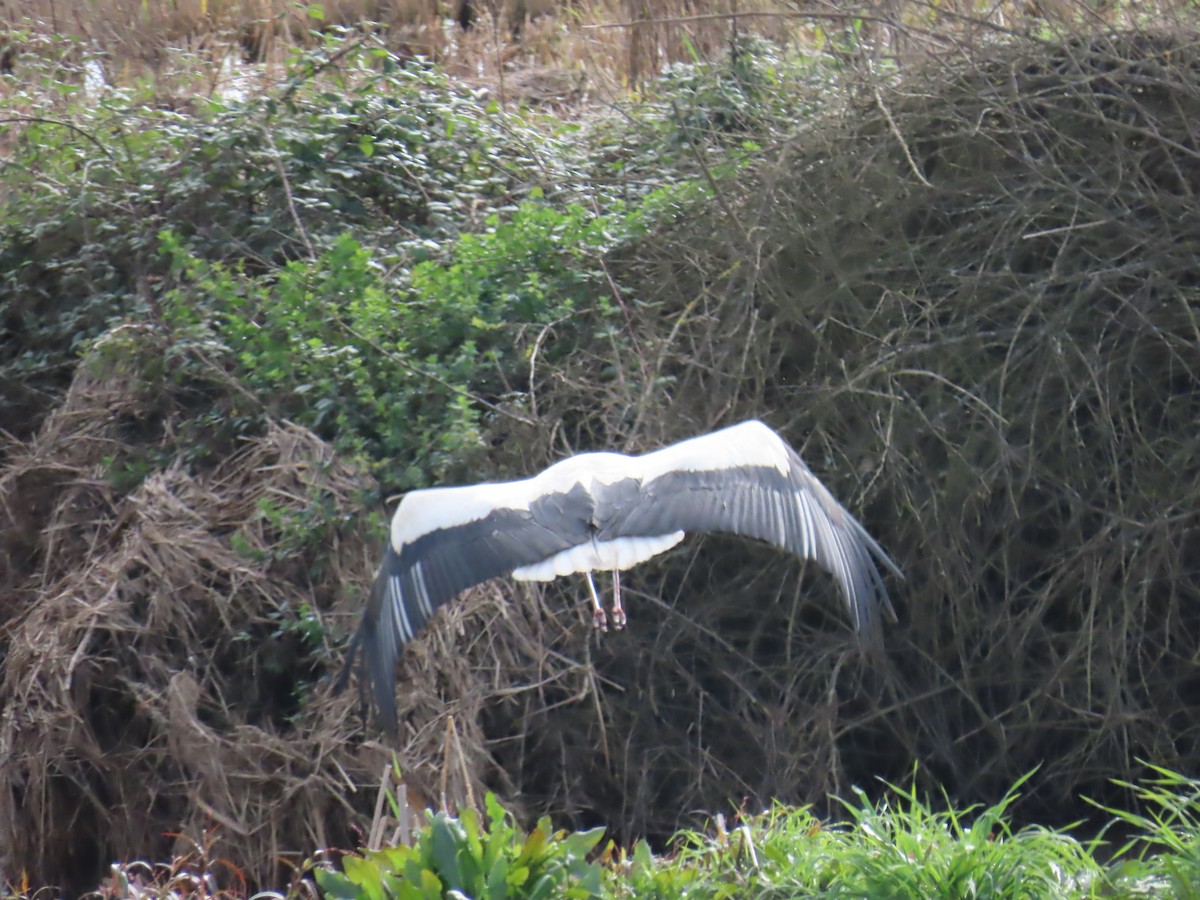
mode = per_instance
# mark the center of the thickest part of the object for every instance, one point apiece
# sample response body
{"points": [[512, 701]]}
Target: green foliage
{"points": [[391, 153], [1164, 857], [395, 368], [738, 95], [647, 877], [909, 850], [495, 862], [895, 847], [126, 473], [707, 119], [301, 533], [306, 626], [900, 849], [367, 252]]}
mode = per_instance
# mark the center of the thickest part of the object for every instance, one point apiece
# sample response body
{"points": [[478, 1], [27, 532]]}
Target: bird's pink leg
{"points": [[618, 613], [599, 619]]}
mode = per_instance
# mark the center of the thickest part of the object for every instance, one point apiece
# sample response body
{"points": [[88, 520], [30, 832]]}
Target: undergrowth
{"points": [[463, 857], [390, 153], [368, 249], [410, 272], [401, 369], [901, 846], [366, 255]]}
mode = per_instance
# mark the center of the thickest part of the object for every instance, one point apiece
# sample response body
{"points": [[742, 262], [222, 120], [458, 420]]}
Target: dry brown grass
{"points": [[617, 44], [150, 680], [139, 702], [123, 703]]}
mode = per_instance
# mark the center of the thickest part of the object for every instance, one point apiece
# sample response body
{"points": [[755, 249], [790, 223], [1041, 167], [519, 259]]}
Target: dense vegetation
{"points": [[364, 251], [899, 846], [369, 252], [234, 322]]}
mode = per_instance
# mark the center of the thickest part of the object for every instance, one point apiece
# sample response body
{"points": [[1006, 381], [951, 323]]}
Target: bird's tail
{"points": [[374, 669]]}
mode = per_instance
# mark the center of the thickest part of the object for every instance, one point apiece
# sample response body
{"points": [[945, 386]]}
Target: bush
{"points": [[703, 121], [402, 369], [972, 305], [393, 155]]}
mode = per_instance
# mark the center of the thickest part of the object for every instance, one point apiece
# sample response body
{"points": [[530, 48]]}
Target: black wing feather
{"points": [[437, 568], [762, 502]]}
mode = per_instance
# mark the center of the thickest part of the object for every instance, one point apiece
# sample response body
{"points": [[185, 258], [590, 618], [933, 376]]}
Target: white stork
{"points": [[607, 511]]}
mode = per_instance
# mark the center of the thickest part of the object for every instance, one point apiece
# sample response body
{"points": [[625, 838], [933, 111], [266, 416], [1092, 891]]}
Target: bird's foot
{"points": [[618, 618], [599, 619]]}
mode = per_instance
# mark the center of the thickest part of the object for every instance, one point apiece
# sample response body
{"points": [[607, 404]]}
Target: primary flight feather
{"points": [[608, 511]]}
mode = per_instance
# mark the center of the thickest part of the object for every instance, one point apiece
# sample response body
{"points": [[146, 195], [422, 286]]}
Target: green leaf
{"points": [[446, 836], [366, 875], [517, 876], [337, 886]]}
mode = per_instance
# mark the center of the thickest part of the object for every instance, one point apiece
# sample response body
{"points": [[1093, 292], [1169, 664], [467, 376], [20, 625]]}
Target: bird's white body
{"points": [[750, 443], [623, 553], [608, 511]]}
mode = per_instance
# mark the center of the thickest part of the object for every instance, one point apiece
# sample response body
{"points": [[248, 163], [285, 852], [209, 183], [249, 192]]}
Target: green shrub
{"points": [[707, 119], [897, 847], [1163, 856], [393, 154], [459, 855], [400, 368]]}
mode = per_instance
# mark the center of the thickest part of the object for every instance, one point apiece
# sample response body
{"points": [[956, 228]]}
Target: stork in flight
{"points": [[607, 511]]}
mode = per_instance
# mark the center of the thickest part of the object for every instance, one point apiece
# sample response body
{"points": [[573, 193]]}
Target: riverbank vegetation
{"points": [[248, 298]]}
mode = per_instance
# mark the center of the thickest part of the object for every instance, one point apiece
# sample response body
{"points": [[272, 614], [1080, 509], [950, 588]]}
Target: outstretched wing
{"points": [[746, 480], [445, 540], [607, 511]]}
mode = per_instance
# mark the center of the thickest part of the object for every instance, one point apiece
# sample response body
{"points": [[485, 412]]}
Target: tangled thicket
{"points": [[973, 302], [167, 638], [149, 665], [969, 299]]}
